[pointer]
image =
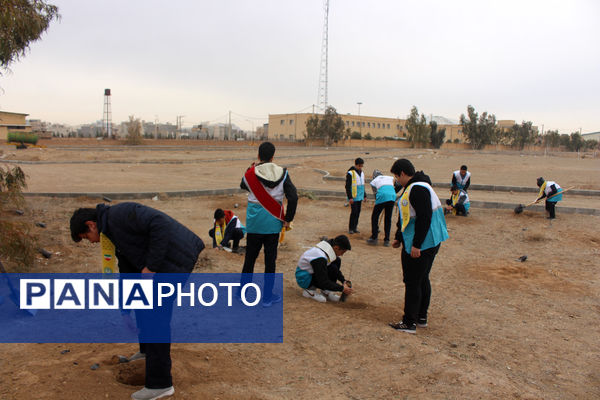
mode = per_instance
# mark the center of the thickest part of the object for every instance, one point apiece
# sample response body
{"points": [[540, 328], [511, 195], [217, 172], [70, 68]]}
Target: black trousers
{"points": [[416, 280], [333, 271], [354, 214], [158, 355], [236, 236], [550, 207], [388, 206], [254, 242]]}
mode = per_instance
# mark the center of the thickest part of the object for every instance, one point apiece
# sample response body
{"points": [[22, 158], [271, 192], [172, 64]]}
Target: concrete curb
{"points": [[138, 195], [492, 188], [320, 195]]}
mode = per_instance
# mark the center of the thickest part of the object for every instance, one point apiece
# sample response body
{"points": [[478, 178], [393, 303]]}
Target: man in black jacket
{"points": [[421, 230], [146, 240]]}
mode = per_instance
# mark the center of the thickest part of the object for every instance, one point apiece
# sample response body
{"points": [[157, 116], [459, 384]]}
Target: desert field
{"points": [[498, 328]]}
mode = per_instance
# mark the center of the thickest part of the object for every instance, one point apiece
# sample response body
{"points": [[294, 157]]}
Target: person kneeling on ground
{"points": [[227, 227], [458, 203], [320, 268]]}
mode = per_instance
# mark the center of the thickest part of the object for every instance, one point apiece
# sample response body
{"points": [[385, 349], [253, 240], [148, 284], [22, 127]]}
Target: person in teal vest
{"points": [[263, 225], [355, 191], [421, 230], [384, 190], [553, 193]]}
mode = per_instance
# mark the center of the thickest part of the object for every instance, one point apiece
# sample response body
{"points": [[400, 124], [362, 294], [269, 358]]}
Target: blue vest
{"points": [[437, 229], [259, 220]]}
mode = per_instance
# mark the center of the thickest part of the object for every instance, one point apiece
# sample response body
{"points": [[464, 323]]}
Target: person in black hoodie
{"points": [[146, 240], [421, 229]]}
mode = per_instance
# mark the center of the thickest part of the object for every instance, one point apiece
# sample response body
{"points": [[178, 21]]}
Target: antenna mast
{"points": [[322, 99]]}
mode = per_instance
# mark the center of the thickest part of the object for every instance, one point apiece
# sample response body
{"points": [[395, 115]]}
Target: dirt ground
{"points": [[498, 328]]}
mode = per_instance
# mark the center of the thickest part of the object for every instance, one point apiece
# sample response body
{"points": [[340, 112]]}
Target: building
{"points": [[223, 131], [293, 126], [591, 136], [10, 121]]}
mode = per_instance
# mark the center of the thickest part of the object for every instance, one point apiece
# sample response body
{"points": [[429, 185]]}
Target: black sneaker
{"points": [[350, 231], [401, 326], [386, 243], [355, 231], [372, 242], [422, 323]]}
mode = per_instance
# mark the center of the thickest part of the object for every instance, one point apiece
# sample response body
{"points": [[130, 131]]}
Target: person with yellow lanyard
{"points": [[355, 191], [143, 240], [458, 203], [227, 228], [421, 230], [552, 191]]}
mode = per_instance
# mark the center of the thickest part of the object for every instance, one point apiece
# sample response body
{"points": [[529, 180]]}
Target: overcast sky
{"points": [[521, 60]]}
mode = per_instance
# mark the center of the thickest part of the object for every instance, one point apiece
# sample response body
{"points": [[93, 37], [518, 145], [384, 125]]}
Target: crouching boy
{"points": [[458, 203], [227, 228], [320, 268]]}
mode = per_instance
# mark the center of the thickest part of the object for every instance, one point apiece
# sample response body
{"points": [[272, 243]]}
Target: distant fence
{"points": [[348, 143]]}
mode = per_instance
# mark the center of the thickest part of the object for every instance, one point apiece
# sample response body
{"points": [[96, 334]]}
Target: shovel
{"points": [[519, 209], [14, 296]]}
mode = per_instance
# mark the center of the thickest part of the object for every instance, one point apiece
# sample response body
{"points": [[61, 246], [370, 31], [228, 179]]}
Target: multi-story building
{"points": [[10, 121], [293, 126]]}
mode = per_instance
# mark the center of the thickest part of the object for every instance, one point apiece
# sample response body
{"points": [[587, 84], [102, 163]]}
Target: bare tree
{"points": [[134, 131]]}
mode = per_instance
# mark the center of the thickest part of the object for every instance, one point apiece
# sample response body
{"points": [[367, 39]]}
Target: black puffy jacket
{"points": [[145, 237]]}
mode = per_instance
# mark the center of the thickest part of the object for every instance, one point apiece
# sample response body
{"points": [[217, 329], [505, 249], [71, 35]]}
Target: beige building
{"points": [[293, 126], [10, 122]]}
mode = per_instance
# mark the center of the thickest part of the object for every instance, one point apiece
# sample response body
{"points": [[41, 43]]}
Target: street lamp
{"points": [[359, 123]]}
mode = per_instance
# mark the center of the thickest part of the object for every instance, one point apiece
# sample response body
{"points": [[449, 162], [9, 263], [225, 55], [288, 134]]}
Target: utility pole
{"points": [[359, 123], [229, 126], [156, 127], [179, 126]]}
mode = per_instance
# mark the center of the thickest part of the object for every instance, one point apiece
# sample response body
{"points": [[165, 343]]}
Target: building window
{"points": [[347, 123], [388, 126], [282, 122], [291, 122], [398, 126], [363, 124], [368, 124], [378, 125], [352, 123], [281, 137], [291, 137]]}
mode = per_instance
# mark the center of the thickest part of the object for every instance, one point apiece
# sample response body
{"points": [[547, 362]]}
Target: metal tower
{"points": [[322, 99], [107, 116]]}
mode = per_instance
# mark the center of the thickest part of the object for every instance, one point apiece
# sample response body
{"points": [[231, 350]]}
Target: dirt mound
{"points": [[132, 373]]}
